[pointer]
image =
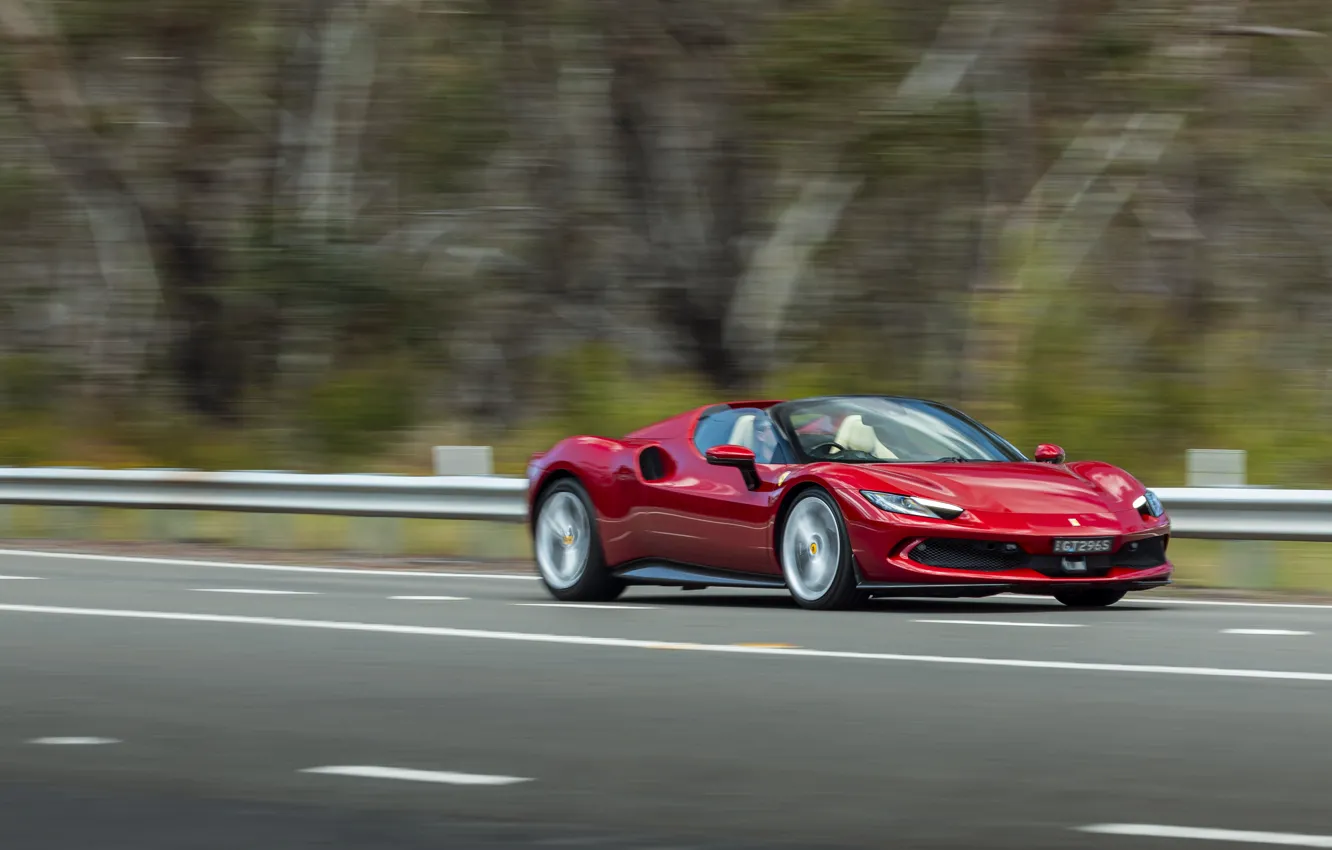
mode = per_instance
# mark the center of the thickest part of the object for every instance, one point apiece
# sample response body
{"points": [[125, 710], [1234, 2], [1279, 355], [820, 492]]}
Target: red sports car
{"points": [[839, 499]]}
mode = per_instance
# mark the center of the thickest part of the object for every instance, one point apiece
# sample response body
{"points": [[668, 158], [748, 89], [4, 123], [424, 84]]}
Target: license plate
{"points": [[1082, 545]]}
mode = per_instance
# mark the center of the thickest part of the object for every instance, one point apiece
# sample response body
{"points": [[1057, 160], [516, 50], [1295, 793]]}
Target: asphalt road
{"points": [[708, 719]]}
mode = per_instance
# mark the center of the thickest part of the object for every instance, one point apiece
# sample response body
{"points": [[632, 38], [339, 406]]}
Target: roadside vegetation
{"points": [[329, 234]]}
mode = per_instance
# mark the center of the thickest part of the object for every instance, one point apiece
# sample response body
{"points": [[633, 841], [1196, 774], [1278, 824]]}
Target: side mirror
{"points": [[739, 457], [1048, 453]]}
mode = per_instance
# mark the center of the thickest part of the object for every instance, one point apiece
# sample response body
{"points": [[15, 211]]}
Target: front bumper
{"points": [[1018, 555], [976, 589]]}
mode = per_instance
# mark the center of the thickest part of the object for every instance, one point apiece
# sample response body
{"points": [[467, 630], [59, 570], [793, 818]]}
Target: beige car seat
{"points": [[742, 433], [856, 436]]}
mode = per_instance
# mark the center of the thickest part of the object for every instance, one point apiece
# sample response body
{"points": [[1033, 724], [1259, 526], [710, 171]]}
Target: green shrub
{"points": [[30, 383], [351, 413]]}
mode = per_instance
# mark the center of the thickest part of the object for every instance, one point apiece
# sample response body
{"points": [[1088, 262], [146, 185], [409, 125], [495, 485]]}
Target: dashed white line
{"points": [[1165, 600], [1264, 632], [409, 775], [584, 605], [74, 741], [274, 568], [1149, 830], [427, 574], [1005, 623], [628, 643], [20, 578], [255, 591], [431, 598]]}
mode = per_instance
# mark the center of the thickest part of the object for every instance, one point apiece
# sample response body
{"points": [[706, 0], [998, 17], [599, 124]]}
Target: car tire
{"points": [[1089, 597], [815, 554], [567, 546]]}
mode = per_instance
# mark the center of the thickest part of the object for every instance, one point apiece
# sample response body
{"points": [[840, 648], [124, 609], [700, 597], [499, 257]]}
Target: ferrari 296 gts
{"points": [[838, 499]]}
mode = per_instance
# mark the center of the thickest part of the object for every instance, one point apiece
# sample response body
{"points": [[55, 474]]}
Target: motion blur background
{"points": [[328, 234]]}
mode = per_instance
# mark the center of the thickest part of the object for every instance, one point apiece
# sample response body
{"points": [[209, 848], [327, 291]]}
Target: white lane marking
{"points": [[74, 742], [1006, 623], [20, 578], [256, 591], [431, 598], [629, 643], [1147, 597], [446, 777], [1150, 830], [228, 565], [1263, 632], [584, 605]]}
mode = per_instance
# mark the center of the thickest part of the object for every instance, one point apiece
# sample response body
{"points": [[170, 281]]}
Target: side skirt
{"points": [[950, 591], [666, 574]]}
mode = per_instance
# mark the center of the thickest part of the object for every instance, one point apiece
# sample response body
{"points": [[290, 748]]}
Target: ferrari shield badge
{"points": [[781, 479]]}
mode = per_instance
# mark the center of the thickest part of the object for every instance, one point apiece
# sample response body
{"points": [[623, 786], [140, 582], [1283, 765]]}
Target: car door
{"points": [[704, 515]]}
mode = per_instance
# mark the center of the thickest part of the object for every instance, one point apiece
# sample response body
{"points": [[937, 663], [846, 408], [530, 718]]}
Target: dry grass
{"points": [[378, 536]]}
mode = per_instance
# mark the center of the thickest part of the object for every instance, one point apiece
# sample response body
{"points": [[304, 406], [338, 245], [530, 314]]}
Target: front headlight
{"points": [[1149, 504], [912, 505]]}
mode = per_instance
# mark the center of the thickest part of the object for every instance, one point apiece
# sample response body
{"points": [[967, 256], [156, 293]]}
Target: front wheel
{"points": [[1089, 597], [816, 554], [568, 549]]}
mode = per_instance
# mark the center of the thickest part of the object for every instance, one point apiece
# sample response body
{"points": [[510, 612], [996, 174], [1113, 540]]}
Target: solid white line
{"points": [[229, 565], [74, 741], [628, 643], [431, 598], [1005, 623], [20, 578], [376, 772], [1165, 600], [1148, 830], [255, 591], [1263, 632], [584, 605]]}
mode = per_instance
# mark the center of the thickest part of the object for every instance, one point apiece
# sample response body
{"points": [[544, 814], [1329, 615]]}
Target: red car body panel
{"points": [[695, 515]]}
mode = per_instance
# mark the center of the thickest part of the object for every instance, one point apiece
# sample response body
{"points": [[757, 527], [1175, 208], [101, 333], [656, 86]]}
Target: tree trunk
{"points": [[682, 149]]}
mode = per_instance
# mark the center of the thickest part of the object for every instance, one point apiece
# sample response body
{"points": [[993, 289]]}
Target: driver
{"points": [[765, 442]]}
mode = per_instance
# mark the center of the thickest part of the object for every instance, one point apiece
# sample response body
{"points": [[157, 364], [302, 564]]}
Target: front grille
{"points": [[996, 555], [1053, 565], [968, 554]]}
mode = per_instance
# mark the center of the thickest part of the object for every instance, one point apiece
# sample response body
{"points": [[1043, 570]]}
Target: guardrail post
{"points": [[477, 539], [376, 535], [1245, 564], [173, 526], [463, 460], [78, 523], [267, 531]]}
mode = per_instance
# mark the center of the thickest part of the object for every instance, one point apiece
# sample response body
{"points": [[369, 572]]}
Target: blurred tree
{"points": [[1087, 215]]}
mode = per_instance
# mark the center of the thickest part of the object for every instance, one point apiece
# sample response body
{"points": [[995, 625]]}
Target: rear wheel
{"points": [[816, 555], [1089, 597], [568, 548]]}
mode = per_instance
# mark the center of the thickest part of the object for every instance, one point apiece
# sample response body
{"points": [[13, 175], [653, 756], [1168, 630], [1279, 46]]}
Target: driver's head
{"points": [[765, 441], [763, 433]]}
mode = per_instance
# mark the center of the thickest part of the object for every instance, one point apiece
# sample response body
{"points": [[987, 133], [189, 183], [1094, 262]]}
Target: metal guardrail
{"points": [[1248, 513], [1217, 513], [474, 497]]}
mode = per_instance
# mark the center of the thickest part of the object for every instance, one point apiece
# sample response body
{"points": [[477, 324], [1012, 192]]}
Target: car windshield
{"points": [[867, 429]]}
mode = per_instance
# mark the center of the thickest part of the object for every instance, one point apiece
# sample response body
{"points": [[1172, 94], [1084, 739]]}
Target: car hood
{"points": [[1014, 488]]}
